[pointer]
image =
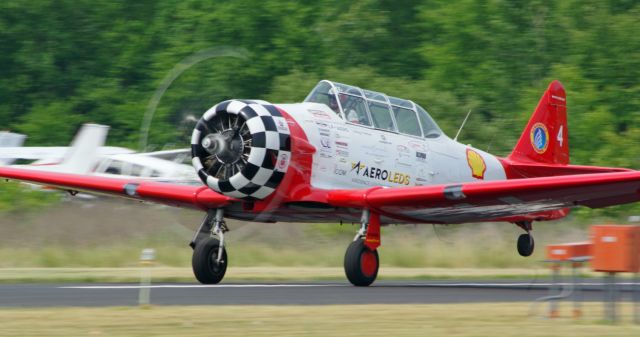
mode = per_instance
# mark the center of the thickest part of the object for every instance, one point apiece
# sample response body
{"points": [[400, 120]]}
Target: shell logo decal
{"points": [[476, 164], [539, 138]]}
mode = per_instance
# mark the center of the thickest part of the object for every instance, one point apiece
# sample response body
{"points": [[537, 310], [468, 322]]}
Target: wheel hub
{"points": [[368, 263], [227, 146]]}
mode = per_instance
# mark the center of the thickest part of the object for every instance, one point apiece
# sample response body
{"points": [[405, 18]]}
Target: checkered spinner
{"points": [[265, 155]]}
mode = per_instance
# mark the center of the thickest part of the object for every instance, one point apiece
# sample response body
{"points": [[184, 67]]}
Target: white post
{"points": [[147, 258]]}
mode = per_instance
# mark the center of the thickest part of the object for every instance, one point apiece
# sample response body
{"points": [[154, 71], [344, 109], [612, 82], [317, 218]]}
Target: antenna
{"points": [[455, 139]]}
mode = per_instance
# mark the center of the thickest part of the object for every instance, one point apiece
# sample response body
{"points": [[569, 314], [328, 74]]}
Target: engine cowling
{"points": [[242, 149]]}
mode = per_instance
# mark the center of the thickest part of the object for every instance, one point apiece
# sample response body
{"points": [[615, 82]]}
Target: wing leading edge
{"points": [[517, 199], [173, 194]]}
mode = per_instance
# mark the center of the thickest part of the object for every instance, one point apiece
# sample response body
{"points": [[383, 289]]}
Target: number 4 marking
{"points": [[559, 138]]}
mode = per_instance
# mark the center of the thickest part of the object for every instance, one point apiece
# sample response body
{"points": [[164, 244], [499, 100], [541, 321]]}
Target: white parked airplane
{"points": [[88, 155]]}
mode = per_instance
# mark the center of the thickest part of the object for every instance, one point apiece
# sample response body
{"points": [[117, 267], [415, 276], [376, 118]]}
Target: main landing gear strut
{"points": [[361, 259], [209, 259], [526, 244]]}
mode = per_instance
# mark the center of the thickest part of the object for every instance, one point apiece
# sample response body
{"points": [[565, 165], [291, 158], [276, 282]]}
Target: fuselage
{"points": [[350, 155], [284, 160]]}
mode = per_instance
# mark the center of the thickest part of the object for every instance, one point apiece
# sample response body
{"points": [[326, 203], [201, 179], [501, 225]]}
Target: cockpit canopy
{"points": [[374, 109]]}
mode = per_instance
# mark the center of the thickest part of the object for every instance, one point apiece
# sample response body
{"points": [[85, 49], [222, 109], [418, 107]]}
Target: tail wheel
{"points": [[205, 263], [361, 264], [525, 245]]}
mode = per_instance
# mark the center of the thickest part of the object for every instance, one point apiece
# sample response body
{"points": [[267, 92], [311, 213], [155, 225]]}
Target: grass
{"points": [[464, 320], [108, 241], [111, 234]]}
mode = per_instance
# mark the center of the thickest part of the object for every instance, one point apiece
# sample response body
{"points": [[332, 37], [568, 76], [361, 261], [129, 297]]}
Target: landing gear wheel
{"points": [[204, 261], [361, 264], [525, 245]]}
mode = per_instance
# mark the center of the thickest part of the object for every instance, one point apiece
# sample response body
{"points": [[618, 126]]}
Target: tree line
{"points": [[66, 62]]}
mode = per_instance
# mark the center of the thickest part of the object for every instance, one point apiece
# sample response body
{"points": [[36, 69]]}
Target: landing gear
{"points": [[361, 264], [361, 260], [209, 261], [207, 267], [526, 244]]}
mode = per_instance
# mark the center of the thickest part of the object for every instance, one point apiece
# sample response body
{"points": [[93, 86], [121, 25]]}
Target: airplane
{"points": [[147, 165], [78, 157], [347, 154], [88, 155]]}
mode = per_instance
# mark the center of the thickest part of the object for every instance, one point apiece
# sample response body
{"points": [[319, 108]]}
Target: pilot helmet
{"points": [[333, 103]]}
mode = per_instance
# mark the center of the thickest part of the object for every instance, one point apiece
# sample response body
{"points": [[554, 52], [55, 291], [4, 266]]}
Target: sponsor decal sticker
{"points": [[383, 140], [380, 174], [324, 142], [342, 153], [282, 125], [323, 125], [476, 164], [320, 114], [539, 138], [338, 170], [403, 151], [283, 161], [342, 144], [375, 150], [418, 146]]}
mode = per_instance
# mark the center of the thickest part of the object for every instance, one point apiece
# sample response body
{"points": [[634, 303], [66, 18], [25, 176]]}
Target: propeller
{"points": [[227, 143]]}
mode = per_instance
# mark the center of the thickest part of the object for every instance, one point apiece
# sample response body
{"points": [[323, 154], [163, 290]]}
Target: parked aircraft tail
{"points": [[546, 137], [10, 139], [82, 155]]}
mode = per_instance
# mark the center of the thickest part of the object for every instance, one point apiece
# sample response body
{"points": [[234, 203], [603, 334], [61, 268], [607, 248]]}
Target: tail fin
{"points": [[81, 157], [10, 140], [546, 137]]}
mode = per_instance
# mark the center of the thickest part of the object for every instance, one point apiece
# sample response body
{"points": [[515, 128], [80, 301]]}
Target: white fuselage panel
{"points": [[354, 156]]}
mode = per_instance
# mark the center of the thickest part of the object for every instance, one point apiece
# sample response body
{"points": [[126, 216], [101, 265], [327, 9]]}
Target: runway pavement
{"points": [[320, 293]]}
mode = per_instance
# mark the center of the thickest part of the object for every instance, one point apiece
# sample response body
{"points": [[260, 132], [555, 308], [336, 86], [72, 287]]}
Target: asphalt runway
{"points": [[320, 293]]}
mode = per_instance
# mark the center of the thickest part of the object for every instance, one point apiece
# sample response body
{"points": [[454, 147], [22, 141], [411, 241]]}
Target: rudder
{"points": [[82, 155], [545, 139]]}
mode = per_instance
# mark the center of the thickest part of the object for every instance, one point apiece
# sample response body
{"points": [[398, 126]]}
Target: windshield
{"points": [[374, 109]]}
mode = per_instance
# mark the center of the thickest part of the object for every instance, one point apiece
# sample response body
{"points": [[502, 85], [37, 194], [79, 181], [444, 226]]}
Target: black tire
{"points": [[525, 245], [204, 264], [361, 264]]}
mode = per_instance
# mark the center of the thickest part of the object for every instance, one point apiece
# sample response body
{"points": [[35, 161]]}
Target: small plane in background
{"points": [[88, 155], [10, 140], [355, 155]]}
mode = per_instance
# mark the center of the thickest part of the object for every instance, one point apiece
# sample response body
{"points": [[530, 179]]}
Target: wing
{"points": [[173, 194], [518, 199], [32, 153]]}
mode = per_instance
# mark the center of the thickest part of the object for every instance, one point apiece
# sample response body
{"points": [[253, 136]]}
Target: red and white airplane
{"points": [[354, 155]]}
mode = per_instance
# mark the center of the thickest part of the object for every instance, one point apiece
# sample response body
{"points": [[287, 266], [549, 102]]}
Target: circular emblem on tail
{"points": [[539, 138]]}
